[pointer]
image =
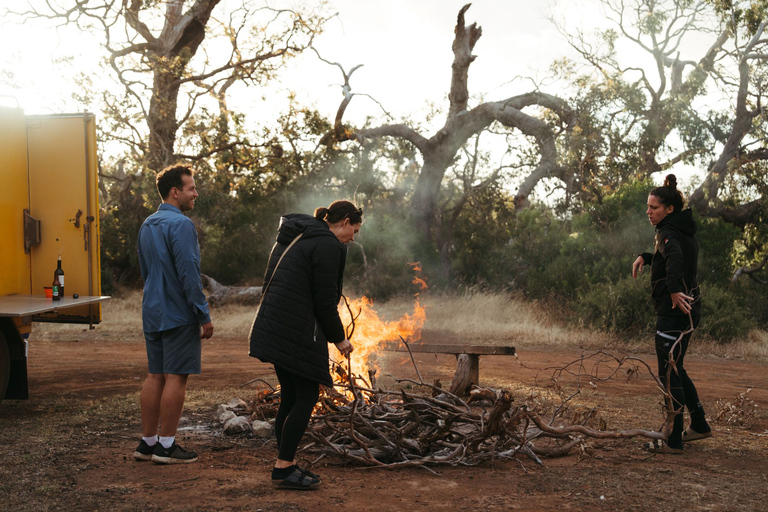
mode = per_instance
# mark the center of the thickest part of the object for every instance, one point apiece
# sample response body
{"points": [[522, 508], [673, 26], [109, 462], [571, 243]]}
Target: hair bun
{"points": [[670, 181], [321, 213]]}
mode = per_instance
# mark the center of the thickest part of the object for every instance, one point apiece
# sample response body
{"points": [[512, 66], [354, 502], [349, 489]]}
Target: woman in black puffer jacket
{"points": [[676, 298], [298, 317]]}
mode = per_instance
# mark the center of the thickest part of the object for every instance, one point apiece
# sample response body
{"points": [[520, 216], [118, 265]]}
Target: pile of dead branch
{"points": [[371, 426]]}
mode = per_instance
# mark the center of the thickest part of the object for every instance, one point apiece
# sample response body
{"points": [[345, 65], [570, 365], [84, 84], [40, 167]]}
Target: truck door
{"points": [[63, 197]]}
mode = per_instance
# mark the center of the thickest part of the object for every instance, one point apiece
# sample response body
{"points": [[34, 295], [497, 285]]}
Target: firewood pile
{"points": [[425, 425]]}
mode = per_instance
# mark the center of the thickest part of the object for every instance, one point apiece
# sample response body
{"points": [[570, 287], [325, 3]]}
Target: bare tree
{"points": [[463, 122]]}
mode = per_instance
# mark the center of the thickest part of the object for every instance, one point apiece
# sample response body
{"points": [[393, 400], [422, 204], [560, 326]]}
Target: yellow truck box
{"points": [[48, 208]]}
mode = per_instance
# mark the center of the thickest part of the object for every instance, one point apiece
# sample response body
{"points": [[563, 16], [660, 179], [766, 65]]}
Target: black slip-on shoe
{"points": [[692, 435]]}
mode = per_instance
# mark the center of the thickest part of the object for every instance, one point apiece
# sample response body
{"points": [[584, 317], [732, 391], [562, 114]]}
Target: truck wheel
{"points": [[5, 366]]}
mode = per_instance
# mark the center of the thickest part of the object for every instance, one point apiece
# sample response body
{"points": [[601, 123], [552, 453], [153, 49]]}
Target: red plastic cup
{"points": [[48, 292]]}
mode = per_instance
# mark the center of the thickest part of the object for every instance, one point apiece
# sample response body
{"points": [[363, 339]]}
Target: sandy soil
{"points": [[69, 447]]}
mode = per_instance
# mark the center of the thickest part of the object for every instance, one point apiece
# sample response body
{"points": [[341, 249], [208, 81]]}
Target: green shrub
{"points": [[716, 240], [618, 307], [722, 317]]}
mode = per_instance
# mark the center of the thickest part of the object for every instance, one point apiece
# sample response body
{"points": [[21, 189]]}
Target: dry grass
{"points": [[493, 318], [121, 319]]}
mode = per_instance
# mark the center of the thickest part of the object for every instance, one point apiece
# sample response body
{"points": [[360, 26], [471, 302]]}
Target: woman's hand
{"points": [[345, 347], [681, 301], [637, 266]]}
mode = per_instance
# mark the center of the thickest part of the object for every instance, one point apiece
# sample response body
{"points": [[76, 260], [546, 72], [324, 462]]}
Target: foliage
{"points": [[722, 316], [469, 230], [584, 263], [717, 243], [621, 306]]}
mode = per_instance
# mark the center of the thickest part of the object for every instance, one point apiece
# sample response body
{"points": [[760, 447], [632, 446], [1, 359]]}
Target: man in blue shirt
{"points": [[174, 312]]}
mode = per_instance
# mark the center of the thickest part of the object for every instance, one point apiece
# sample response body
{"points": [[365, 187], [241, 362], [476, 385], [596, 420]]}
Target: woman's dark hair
{"points": [[170, 177], [668, 193], [338, 211]]}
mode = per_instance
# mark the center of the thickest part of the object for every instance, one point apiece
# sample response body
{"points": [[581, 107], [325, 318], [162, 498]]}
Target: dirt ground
{"points": [[69, 447]]}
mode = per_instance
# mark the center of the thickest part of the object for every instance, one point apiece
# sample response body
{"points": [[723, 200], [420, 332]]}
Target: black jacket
{"points": [[674, 263], [298, 315]]}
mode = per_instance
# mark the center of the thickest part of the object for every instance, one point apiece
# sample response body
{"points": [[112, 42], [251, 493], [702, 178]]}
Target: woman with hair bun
{"points": [[297, 319], [676, 298]]}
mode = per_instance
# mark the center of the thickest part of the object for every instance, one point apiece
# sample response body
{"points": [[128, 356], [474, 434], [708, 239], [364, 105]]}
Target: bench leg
{"points": [[467, 373]]}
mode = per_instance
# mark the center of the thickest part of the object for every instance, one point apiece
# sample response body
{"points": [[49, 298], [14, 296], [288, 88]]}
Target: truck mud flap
{"points": [[18, 387]]}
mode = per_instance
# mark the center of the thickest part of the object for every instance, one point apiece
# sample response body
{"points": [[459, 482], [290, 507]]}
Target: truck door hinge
{"points": [[31, 231]]}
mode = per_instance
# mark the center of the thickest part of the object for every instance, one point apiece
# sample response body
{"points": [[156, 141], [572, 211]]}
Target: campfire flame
{"points": [[368, 333]]}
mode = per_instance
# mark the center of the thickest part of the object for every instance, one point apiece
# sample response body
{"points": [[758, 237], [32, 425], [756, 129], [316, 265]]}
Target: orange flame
{"points": [[371, 332]]}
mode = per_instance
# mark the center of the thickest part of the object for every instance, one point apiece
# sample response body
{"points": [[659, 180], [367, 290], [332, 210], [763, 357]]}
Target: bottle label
{"points": [[61, 279], [55, 291]]}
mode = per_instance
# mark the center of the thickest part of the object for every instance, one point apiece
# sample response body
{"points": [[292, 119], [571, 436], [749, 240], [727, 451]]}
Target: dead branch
{"points": [[412, 360], [220, 294], [750, 271], [374, 427]]}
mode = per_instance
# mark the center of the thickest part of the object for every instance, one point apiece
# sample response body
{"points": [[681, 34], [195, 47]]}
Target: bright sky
{"points": [[405, 46], [405, 49]]}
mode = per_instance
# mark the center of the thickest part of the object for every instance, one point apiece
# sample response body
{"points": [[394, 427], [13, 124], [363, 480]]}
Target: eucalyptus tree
{"points": [[165, 94], [638, 115], [167, 57], [698, 101], [736, 180]]}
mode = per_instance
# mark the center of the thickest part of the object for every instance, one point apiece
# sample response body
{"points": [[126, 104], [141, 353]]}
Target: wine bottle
{"points": [[58, 275]]}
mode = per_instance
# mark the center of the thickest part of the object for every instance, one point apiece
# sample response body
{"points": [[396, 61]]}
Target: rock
{"points": [[261, 428], [236, 404], [237, 425], [225, 415]]}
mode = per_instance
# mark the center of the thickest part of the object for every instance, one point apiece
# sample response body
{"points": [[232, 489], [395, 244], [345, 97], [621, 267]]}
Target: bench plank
{"points": [[434, 348]]}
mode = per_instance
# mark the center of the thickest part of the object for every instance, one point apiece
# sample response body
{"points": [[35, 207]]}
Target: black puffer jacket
{"points": [[674, 263], [298, 315]]}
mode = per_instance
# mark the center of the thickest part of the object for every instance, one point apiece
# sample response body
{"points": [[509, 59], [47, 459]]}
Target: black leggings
{"points": [[298, 396], [680, 386]]}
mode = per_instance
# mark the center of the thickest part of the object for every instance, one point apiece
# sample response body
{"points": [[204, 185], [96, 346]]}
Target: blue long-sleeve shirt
{"points": [[169, 258]]}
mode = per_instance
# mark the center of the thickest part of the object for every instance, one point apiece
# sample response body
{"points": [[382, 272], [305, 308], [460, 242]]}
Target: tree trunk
{"points": [[161, 120], [425, 195]]}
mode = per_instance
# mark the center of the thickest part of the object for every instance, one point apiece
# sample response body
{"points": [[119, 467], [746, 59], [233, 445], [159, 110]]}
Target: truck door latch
{"points": [[76, 220]]}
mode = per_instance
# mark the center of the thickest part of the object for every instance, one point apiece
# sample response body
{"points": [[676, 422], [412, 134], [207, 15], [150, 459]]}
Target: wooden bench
{"points": [[467, 359]]}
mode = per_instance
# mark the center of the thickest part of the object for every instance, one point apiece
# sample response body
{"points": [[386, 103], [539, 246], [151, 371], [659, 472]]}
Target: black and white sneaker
{"points": [[173, 455], [144, 451]]}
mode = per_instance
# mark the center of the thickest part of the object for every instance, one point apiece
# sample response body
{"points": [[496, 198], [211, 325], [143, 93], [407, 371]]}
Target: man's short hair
{"points": [[171, 177]]}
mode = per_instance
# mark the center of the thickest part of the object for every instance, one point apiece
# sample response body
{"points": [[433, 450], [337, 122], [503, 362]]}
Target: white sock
{"points": [[167, 442], [151, 440]]}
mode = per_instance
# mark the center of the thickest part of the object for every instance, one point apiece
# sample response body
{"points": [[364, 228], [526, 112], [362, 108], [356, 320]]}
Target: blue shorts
{"points": [[176, 351]]}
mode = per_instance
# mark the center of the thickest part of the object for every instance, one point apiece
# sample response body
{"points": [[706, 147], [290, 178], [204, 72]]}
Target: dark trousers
{"points": [[298, 397], [679, 385]]}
